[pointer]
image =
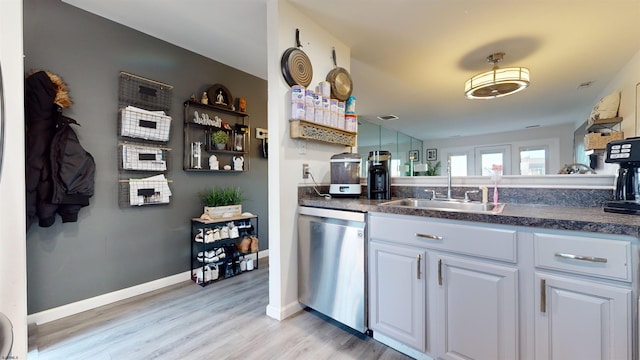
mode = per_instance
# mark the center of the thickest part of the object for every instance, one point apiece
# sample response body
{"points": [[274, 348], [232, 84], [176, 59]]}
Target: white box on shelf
{"points": [[150, 190], [142, 158], [144, 124]]}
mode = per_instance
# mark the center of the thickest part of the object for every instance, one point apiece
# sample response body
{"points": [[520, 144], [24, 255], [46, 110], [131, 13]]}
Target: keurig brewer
{"points": [[379, 179]]}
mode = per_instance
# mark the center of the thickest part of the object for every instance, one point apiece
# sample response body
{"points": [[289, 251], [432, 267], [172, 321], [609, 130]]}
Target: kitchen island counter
{"points": [[589, 219]]}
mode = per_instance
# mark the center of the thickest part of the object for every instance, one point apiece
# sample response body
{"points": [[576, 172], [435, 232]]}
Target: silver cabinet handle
{"points": [[581, 258], [439, 271], [418, 268], [430, 237], [543, 295]]}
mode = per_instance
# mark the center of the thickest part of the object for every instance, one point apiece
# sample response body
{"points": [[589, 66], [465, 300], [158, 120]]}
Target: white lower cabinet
{"points": [[475, 307], [447, 289], [397, 293], [577, 319]]}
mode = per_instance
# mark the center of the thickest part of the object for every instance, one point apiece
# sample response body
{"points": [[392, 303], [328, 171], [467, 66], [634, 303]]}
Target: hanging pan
{"points": [[340, 80], [296, 67]]}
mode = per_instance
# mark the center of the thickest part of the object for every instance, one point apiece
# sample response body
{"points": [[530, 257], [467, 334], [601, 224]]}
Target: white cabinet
{"points": [[397, 293], [472, 299], [475, 307], [502, 292], [579, 314], [577, 319]]}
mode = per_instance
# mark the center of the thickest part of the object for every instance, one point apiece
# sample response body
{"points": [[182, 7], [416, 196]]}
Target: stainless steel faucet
{"points": [[449, 178]]}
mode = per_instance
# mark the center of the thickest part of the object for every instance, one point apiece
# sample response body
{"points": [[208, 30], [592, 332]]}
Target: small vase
{"points": [[220, 146]]}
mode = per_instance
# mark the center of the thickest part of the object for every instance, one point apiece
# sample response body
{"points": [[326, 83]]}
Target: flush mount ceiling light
{"points": [[498, 82]]}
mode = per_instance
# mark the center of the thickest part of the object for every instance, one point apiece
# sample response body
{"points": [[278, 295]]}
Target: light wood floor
{"points": [[225, 320]]}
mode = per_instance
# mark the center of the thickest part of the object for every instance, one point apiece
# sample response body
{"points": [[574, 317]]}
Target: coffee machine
{"points": [[379, 178], [626, 197]]}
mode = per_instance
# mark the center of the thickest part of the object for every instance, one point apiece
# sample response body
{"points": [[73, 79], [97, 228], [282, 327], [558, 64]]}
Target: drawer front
{"points": [[585, 255], [486, 242]]}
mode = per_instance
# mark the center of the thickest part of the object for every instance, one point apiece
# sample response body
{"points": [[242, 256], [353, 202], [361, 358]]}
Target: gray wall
{"points": [[111, 248]]}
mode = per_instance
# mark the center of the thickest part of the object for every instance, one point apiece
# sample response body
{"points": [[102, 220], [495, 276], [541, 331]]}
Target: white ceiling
{"points": [[411, 58]]}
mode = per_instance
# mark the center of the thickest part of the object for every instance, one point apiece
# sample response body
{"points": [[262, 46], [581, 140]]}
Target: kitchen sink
{"points": [[448, 205]]}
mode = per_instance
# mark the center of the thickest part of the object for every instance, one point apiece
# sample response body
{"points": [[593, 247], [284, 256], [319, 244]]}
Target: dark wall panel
{"points": [[112, 248]]}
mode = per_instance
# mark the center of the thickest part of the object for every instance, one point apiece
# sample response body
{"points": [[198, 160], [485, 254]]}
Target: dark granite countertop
{"points": [[589, 219]]}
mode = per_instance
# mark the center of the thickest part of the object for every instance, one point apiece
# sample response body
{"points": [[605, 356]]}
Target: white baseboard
{"points": [[77, 307], [283, 312]]}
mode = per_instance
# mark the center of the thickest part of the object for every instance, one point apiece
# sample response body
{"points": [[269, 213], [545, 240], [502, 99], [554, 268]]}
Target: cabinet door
{"points": [[476, 308], [583, 320], [397, 293]]}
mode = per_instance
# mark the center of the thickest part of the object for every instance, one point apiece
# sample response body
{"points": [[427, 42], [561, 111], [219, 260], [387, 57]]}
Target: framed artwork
{"points": [[432, 154], [414, 155]]}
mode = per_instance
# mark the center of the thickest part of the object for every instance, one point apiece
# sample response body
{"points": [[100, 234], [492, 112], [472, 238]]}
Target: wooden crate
{"points": [[599, 141]]}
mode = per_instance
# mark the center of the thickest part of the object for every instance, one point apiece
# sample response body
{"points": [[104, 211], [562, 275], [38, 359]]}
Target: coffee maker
{"points": [[626, 197], [379, 178]]}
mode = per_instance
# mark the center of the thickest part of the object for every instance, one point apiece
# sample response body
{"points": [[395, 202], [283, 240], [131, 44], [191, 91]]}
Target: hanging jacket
{"points": [[72, 173], [59, 172]]}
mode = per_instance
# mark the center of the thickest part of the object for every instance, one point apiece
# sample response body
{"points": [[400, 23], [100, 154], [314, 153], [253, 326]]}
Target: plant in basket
{"points": [[222, 201]]}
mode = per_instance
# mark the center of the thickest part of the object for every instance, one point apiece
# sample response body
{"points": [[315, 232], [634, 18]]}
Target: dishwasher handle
{"points": [[332, 214]]}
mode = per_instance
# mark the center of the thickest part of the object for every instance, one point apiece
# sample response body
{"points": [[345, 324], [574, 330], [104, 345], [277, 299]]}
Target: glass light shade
{"points": [[497, 83]]}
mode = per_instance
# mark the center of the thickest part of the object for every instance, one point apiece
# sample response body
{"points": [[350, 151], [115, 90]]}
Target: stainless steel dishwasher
{"points": [[332, 264]]}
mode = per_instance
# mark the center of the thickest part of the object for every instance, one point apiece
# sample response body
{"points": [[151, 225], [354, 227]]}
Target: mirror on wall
{"points": [[403, 148], [531, 151]]}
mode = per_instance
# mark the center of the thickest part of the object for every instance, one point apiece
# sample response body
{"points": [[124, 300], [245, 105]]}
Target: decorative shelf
{"points": [[214, 107], [302, 129], [195, 133], [206, 169], [601, 124]]}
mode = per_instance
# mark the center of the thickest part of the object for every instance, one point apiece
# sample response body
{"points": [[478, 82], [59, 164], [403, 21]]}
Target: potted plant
{"points": [[220, 139], [222, 202], [433, 169]]}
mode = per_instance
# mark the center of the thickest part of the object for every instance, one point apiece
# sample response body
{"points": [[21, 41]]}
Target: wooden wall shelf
{"points": [[301, 129], [603, 124]]}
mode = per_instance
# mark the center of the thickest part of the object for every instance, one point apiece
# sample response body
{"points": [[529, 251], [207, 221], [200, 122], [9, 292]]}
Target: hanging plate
{"points": [[340, 80], [296, 66]]}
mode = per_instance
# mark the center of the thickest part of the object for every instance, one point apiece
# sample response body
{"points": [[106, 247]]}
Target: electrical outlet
{"points": [[262, 133], [305, 171]]}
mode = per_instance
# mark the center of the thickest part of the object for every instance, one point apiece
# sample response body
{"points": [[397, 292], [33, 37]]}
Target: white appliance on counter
{"points": [[345, 174], [332, 264]]}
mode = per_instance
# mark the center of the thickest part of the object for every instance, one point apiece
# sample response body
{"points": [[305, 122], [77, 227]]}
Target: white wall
{"points": [[287, 155], [13, 272], [625, 81]]}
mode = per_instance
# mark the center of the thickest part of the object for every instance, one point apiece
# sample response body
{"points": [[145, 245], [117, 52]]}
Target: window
{"points": [[491, 162], [533, 161], [489, 159], [458, 165]]}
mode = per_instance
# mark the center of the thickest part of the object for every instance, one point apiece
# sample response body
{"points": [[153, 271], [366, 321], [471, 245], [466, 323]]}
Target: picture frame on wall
{"points": [[414, 155], [432, 154]]}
